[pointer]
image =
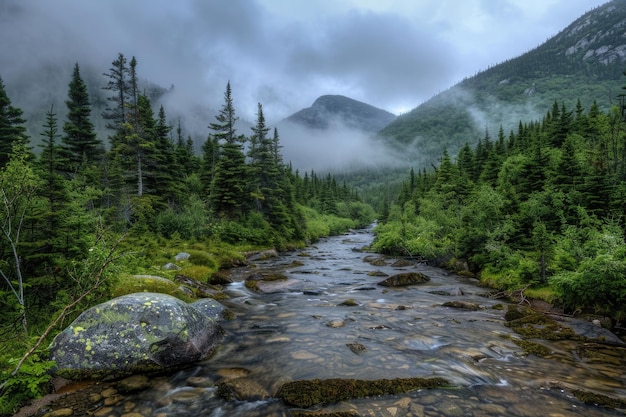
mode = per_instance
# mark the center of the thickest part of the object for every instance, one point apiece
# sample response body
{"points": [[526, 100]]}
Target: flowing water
{"points": [[301, 329]]}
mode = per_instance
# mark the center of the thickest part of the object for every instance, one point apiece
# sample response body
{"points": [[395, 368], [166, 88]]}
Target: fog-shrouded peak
{"points": [[330, 109]]}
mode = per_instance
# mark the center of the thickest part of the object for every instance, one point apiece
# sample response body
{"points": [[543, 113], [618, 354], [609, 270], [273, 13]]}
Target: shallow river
{"points": [[299, 329]]}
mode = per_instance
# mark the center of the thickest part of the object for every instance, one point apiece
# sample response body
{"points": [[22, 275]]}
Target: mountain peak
{"points": [[329, 109]]}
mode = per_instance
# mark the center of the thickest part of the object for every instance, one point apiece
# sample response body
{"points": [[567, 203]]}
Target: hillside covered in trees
{"points": [[81, 214], [538, 211], [582, 62]]}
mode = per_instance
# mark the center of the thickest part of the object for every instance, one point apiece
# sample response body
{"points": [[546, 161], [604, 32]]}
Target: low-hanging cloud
{"points": [[335, 148], [393, 55]]}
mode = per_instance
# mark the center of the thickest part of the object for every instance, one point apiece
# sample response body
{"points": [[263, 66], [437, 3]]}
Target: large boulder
{"points": [[135, 333]]}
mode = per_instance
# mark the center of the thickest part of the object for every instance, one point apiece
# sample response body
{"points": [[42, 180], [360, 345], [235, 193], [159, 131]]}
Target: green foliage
{"points": [[199, 273], [30, 383], [541, 209], [127, 284], [62, 208], [193, 221], [598, 283]]}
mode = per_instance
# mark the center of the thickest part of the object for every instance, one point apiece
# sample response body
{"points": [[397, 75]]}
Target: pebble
{"points": [[199, 381], [134, 383], [336, 324], [108, 392], [61, 412], [102, 412]]}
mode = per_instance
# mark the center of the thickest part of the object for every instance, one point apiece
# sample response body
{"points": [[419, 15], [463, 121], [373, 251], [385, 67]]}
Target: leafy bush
{"points": [[193, 221], [599, 283], [202, 258], [130, 284], [198, 272], [29, 383]]}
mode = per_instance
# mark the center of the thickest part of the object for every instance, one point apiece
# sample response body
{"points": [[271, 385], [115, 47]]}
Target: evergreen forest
{"points": [[82, 215], [537, 212]]}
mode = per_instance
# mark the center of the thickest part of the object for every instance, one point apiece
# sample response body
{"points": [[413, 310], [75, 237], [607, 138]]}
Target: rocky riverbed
{"points": [[323, 316]]}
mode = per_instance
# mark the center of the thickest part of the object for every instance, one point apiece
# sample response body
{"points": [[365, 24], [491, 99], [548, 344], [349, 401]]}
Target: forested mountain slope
{"points": [[584, 61]]}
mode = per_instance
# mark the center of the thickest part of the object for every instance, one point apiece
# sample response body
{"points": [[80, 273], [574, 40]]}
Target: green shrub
{"points": [[131, 284], [29, 383], [599, 284], [202, 258], [200, 273]]}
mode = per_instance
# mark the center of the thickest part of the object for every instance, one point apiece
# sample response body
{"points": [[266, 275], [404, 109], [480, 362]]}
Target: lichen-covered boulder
{"points": [[135, 333]]}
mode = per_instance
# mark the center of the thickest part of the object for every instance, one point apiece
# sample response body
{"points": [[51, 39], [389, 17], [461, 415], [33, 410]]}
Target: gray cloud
{"points": [[284, 54]]}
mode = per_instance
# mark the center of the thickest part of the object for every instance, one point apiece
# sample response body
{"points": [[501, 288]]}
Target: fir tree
{"points": [[80, 143], [118, 85], [12, 131], [228, 186]]}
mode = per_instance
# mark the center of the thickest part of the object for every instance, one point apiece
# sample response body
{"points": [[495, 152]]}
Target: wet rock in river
{"points": [[402, 263], [378, 262], [211, 308], [131, 334], [454, 291], [356, 348], [463, 305], [267, 281], [404, 279], [242, 389], [306, 393]]}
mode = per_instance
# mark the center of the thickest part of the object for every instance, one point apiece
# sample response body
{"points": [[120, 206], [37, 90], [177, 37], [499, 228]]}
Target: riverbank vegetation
{"points": [[539, 210], [80, 214]]}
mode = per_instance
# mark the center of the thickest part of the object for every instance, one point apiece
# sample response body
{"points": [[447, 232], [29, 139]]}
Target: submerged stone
{"points": [[134, 333]]}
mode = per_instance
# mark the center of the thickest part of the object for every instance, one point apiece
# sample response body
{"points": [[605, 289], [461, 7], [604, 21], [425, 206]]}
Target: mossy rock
{"points": [[306, 393], [401, 263], [404, 279], [252, 281], [221, 278], [600, 400], [135, 333], [533, 348], [349, 303], [532, 324], [463, 305], [378, 262]]}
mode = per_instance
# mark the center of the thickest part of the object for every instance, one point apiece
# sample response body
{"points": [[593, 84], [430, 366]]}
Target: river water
{"points": [[302, 329]]}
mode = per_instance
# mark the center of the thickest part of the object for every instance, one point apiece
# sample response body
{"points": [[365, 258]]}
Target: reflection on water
{"points": [[331, 320]]}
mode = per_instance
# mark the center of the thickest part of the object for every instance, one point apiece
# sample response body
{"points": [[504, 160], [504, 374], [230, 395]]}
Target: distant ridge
{"points": [[331, 109], [585, 61]]}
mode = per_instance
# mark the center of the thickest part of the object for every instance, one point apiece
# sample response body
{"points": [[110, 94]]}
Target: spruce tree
{"points": [[229, 187], [52, 165], [118, 85], [80, 142], [12, 131]]}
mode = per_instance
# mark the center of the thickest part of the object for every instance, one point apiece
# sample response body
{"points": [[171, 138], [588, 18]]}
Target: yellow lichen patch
{"points": [[77, 329]]}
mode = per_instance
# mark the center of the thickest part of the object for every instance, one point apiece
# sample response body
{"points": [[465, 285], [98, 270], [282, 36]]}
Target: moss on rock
{"points": [[532, 348], [535, 325], [598, 399], [306, 393], [404, 279]]}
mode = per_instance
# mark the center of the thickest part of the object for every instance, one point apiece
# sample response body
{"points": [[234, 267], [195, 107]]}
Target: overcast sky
{"points": [[393, 54]]}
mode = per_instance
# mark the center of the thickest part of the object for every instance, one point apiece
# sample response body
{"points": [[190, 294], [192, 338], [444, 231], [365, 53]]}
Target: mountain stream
{"points": [[330, 319]]}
